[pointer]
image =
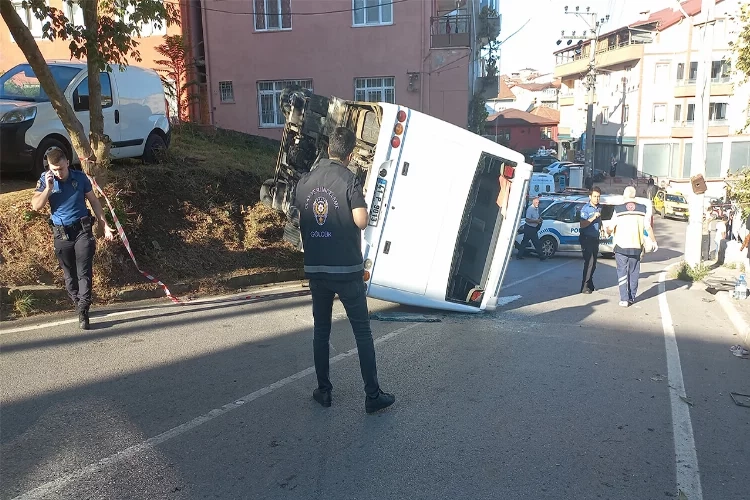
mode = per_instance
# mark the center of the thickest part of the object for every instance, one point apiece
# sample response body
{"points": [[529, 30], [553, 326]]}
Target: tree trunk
{"points": [[99, 142], [25, 41]]}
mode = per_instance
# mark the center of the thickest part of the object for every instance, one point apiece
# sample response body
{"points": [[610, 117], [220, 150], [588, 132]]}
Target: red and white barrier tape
{"points": [[125, 242]]}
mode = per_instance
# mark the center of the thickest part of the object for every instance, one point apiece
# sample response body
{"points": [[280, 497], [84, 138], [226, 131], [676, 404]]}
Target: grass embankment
{"points": [[190, 218]]}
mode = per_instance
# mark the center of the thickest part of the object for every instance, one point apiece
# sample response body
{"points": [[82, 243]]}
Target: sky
{"points": [[532, 47]]}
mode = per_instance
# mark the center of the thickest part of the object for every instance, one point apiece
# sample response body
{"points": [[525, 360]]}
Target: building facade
{"points": [[418, 54], [644, 105], [521, 131]]}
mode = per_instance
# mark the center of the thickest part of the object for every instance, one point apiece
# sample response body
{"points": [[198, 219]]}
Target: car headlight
{"points": [[19, 115]]}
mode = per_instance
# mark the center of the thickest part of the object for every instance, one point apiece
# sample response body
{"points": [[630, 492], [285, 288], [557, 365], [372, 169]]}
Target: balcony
{"points": [[448, 31], [721, 86], [567, 99], [489, 27], [684, 129], [575, 61], [487, 86]]}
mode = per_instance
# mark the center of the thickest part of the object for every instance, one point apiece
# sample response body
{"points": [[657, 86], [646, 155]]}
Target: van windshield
{"points": [[21, 84]]}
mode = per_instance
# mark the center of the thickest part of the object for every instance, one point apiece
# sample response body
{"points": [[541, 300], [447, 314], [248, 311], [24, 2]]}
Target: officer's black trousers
{"points": [[590, 250], [352, 295], [76, 257]]}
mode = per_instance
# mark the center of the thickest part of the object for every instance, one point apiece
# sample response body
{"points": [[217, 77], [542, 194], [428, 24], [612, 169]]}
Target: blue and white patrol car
{"points": [[561, 224]]}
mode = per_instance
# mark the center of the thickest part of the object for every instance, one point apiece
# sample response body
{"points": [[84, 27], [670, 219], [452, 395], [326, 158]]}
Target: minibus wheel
{"points": [[549, 246], [266, 193]]}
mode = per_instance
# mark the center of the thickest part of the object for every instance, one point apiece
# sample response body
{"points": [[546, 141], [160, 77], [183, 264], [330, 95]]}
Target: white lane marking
{"points": [[53, 486], [170, 307], [688, 474], [540, 273], [739, 324], [504, 301]]}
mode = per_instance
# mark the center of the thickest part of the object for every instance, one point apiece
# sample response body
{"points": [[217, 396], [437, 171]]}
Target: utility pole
{"points": [[624, 82], [694, 233], [594, 25]]}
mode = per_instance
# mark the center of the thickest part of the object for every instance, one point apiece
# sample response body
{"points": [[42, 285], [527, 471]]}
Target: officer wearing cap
{"points": [[67, 191], [332, 214]]}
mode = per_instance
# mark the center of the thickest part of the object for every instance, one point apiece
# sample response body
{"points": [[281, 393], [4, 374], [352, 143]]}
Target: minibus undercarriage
{"points": [[309, 121]]}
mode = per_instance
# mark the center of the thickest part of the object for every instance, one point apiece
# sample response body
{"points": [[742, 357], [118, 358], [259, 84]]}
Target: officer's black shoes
{"points": [[383, 400], [322, 397], [83, 320]]}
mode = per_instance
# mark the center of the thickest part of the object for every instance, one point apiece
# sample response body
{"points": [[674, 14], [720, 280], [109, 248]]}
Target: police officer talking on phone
{"points": [[332, 214], [67, 191]]}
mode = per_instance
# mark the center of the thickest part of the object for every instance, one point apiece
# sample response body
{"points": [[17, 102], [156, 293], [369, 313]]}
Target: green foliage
{"points": [[686, 272], [120, 22], [477, 113], [738, 189], [175, 71], [23, 305], [741, 48]]}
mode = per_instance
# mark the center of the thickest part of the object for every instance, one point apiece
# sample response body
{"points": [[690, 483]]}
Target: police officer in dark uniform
{"points": [[332, 214], [67, 191]]}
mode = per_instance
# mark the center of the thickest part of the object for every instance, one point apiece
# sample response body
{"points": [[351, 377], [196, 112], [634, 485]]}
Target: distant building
{"points": [[522, 131]]}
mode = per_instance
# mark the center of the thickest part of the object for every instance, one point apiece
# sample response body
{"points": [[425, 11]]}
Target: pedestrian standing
{"points": [[630, 221], [66, 191], [332, 214], [531, 230], [591, 220]]}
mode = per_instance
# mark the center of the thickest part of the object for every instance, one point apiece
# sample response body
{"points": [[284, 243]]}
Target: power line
{"points": [[252, 13]]}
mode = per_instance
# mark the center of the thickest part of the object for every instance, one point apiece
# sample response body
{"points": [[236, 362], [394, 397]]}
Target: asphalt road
{"points": [[556, 395]]}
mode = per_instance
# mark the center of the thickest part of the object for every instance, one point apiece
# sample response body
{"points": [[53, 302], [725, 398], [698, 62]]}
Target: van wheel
{"points": [[40, 161], [266, 192], [155, 147], [548, 246]]}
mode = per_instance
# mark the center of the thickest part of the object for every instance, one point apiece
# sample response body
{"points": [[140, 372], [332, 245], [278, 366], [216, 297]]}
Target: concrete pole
{"points": [[694, 233], [591, 77]]}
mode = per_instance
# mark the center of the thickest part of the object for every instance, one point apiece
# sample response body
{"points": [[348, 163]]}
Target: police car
{"points": [[561, 225]]}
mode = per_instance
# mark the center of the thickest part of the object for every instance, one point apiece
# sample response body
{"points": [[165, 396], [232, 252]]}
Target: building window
{"points": [[152, 29], [546, 133], [269, 95], [375, 89], [680, 71], [660, 113], [661, 75], [739, 156], [605, 116], [691, 113], [693, 75], [717, 111], [720, 71], [226, 91], [372, 12], [677, 116], [626, 119], [273, 15], [29, 19], [74, 13]]}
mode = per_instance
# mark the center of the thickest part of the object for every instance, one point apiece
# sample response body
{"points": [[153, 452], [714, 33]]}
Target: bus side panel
{"points": [[415, 220]]}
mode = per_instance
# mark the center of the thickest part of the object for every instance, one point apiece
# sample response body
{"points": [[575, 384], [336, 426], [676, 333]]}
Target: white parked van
{"points": [[134, 109]]}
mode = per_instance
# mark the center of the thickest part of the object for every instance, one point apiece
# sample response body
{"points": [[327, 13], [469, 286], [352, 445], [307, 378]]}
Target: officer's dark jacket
{"points": [[325, 198]]}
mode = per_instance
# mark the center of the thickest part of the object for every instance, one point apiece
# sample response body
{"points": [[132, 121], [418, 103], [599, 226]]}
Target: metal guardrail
{"points": [[450, 30]]}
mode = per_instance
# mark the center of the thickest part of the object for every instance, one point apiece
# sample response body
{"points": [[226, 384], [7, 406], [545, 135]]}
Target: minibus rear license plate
{"points": [[377, 201]]}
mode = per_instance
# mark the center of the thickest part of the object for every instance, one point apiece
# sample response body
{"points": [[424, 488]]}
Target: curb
{"points": [[50, 293], [734, 316]]}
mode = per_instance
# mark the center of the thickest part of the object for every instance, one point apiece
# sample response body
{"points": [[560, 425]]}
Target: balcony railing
{"points": [[684, 82], [450, 31]]}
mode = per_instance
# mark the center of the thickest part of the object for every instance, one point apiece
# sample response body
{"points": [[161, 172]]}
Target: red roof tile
{"points": [[511, 117], [548, 113]]}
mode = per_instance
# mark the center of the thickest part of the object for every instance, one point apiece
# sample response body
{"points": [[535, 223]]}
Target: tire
{"points": [[663, 213], [608, 255], [40, 160], [266, 193], [548, 245], [155, 146]]}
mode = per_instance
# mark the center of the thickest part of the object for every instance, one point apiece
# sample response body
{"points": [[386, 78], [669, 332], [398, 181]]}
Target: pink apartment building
{"points": [[419, 53]]}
